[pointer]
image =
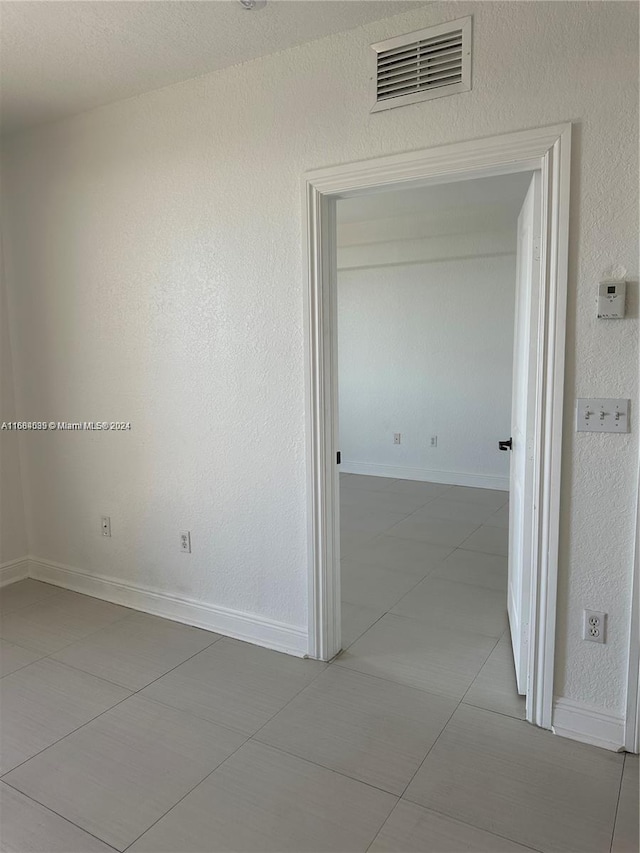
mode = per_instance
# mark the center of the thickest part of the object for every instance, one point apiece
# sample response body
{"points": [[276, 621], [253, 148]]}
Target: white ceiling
{"points": [[60, 58], [502, 196]]}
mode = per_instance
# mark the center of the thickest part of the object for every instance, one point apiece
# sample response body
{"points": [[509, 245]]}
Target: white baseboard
{"points": [[14, 570], [451, 478], [222, 620], [588, 724]]}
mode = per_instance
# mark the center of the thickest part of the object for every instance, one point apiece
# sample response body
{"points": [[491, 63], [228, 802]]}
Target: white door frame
{"points": [[632, 715], [547, 149]]}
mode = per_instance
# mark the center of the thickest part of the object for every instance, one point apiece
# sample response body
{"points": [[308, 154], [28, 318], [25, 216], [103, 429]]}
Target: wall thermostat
{"points": [[611, 299]]}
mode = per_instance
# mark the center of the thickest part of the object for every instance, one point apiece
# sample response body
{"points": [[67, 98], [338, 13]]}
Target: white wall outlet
{"points": [[397, 438], [185, 541], [594, 626], [433, 441], [105, 525]]}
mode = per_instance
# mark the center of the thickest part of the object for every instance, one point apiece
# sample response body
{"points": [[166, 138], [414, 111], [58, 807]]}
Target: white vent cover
{"points": [[426, 64]]}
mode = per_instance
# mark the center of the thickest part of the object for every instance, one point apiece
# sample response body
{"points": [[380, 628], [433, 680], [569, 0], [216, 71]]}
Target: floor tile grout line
{"points": [[438, 738], [327, 664], [336, 662], [106, 710], [50, 655], [382, 826], [615, 817], [177, 803], [108, 680], [131, 614], [335, 658], [448, 581], [85, 636], [78, 669], [404, 595], [417, 619], [435, 519], [445, 814], [477, 675], [59, 589], [24, 664], [473, 825], [57, 814], [450, 817], [324, 767], [279, 750], [493, 711], [351, 559], [248, 738]]}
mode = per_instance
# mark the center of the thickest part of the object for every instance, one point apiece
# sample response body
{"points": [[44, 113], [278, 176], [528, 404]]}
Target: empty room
{"points": [[318, 426]]}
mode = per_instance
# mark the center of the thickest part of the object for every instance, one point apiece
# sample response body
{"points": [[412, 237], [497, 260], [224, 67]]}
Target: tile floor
{"points": [[122, 731]]}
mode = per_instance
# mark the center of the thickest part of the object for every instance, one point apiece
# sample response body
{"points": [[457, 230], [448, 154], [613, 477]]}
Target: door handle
{"points": [[505, 445]]}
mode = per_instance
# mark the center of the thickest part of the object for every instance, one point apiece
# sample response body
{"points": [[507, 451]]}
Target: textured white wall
{"points": [[158, 278], [13, 536], [426, 349]]}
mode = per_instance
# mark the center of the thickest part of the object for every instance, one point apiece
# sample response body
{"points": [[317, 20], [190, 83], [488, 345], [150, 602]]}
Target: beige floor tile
{"points": [[488, 497], [59, 620], [433, 530], [28, 827], [411, 828], [264, 801], [359, 520], [468, 513], [356, 620], [499, 518], [136, 650], [21, 594], [367, 728], [364, 481], [474, 567], [419, 489], [385, 500], [412, 652], [456, 606], [235, 684], [507, 777], [14, 657], [405, 555], [489, 540], [626, 835], [352, 540], [495, 686], [372, 586], [117, 775], [46, 701]]}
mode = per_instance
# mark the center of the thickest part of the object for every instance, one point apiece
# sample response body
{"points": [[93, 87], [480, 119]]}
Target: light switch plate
{"points": [[595, 414]]}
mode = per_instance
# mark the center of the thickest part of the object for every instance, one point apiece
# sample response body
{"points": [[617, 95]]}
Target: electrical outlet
{"points": [[397, 438], [434, 441], [105, 524], [593, 626], [185, 541]]}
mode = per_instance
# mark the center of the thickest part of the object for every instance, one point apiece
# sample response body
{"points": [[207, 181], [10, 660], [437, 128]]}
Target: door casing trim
{"points": [[547, 149]]}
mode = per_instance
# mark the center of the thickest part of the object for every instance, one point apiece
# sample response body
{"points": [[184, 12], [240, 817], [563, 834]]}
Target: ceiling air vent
{"points": [[425, 64]]}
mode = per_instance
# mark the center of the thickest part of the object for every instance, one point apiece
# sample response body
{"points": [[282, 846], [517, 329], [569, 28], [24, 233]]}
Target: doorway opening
{"points": [[535, 465], [427, 282]]}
